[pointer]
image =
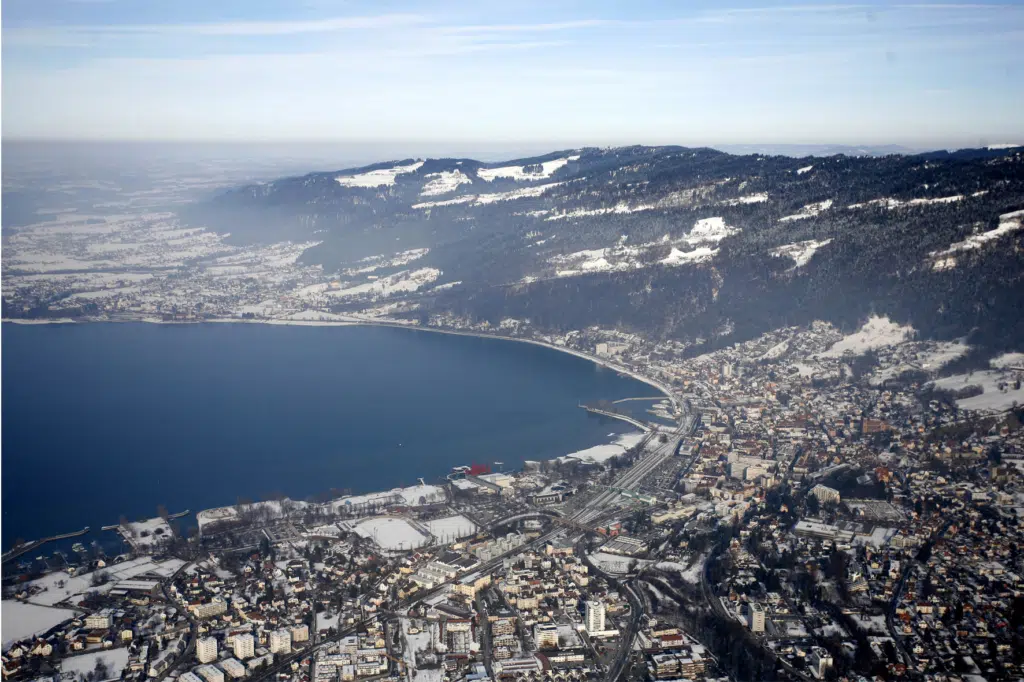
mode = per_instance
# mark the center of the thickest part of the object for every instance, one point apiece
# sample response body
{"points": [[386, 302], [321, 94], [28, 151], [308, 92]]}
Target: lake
{"points": [[104, 420]]}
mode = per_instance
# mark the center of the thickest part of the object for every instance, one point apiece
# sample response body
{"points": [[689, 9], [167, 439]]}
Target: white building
{"points": [[546, 635], [98, 621], [215, 607], [825, 494], [755, 617], [300, 633], [820, 661], [187, 677], [210, 673], [233, 668], [280, 642], [593, 616], [206, 650], [245, 646]]}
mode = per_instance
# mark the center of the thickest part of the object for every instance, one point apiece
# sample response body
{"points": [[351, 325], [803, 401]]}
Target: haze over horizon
{"points": [[574, 73]]}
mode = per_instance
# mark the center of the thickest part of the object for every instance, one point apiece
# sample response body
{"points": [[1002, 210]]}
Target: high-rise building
{"points": [[300, 633], [546, 635], [280, 642], [206, 650], [245, 646], [755, 618], [593, 616]]}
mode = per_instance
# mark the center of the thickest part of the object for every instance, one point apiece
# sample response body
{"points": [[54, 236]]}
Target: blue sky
{"points": [[568, 71]]}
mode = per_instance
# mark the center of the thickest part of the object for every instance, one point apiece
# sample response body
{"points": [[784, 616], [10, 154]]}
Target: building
{"points": [[299, 633], [233, 668], [215, 607], [825, 494], [546, 635], [819, 662], [99, 621], [210, 673], [206, 650], [593, 616], [755, 617], [187, 677], [245, 646], [280, 642]]}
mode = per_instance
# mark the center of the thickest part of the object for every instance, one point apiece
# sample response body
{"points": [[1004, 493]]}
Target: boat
{"points": [[78, 547]]}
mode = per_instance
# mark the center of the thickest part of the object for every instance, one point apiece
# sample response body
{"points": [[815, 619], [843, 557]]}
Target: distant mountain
{"points": [[693, 244]]}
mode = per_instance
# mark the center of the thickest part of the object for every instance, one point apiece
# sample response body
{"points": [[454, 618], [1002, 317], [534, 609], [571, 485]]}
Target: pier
{"points": [[644, 426], [27, 547]]}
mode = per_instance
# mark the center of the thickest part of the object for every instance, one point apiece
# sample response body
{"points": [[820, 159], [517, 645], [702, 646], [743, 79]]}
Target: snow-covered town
{"points": [[806, 504]]}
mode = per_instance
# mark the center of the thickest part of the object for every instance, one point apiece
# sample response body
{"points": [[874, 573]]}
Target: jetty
{"points": [[26, 547]]}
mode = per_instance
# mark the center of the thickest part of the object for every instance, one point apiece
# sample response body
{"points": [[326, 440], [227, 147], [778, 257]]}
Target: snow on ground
{"points": [[60, 585], [147, 533], [444, 182], [800, 252], [519, 173], [709, 230], [448, 285], [602, 453], [758, 198], [1007, 360], [413, 496], [615, 564], [805, 169], [404, 281], [927, 355], [993, 398], [20, 621], [116, 660], [890, 203], [451, 528], [808, 211], [1008, 223], [465, 199], [877, 332], [374, 263], [323, 621], [619, 209], [522, 193], [377, 178], [698, 255], [391, 532], [690, 573]]}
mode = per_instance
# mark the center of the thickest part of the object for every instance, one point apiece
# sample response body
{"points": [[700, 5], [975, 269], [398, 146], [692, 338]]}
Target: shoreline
{"points": [[601, 362]]}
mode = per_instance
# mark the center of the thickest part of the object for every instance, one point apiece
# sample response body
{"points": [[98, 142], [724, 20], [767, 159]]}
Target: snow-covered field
{"points": [[377, 178], [602, 453], [58, 586], [994, 398], [451, 528], [520, 173], [805, 169], [690, 573], [20, 621], [481, 199], [615, 564], [800, 252], [1008, 223], [149, 532], [116, 660], [758, 198], [391, 533], [404, 281], [709, 230], [444, 182], [808, 211], [877, 332], [699, 255]]}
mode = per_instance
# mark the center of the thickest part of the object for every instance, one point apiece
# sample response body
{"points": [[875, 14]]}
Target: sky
{"points": [[566, 71]]}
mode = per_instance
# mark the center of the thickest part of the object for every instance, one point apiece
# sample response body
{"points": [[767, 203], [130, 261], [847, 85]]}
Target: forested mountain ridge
{"points": [[692, 244]]}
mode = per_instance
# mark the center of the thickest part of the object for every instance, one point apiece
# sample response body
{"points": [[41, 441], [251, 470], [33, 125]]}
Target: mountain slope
{"points": [[689, 244]]}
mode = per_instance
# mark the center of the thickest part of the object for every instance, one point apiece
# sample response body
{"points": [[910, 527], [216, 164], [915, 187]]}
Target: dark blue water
{"points": [[101, 420]]}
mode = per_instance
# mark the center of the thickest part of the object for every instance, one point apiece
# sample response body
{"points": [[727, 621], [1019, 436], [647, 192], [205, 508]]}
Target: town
{"points": [[806, 505]]}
